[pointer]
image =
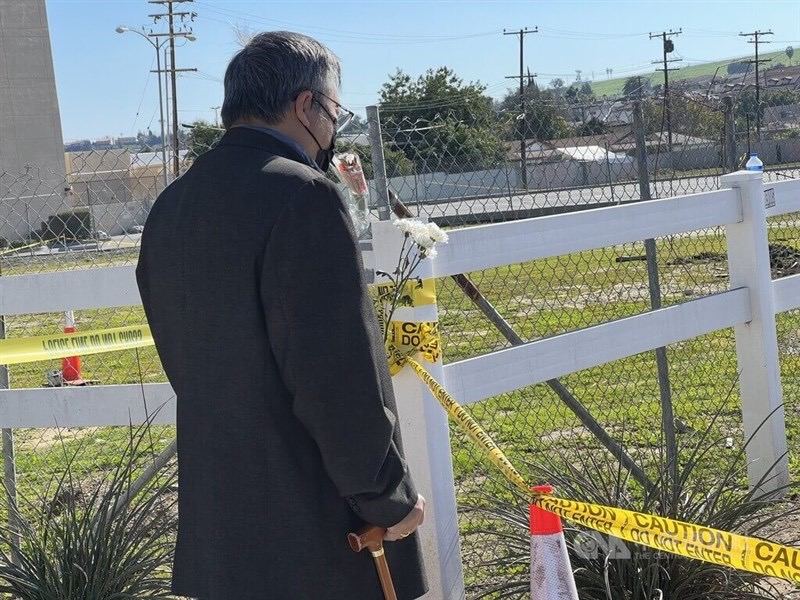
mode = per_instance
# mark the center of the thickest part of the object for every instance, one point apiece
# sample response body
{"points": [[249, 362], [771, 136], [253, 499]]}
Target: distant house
{"points": [[572, 162], [787, 113], [613, 113]]}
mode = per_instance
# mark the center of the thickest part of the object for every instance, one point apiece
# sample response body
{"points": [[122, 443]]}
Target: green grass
{"points": [[613, 87]]}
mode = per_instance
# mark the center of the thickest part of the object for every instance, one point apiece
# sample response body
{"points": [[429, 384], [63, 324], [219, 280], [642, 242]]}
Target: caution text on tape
{"points": [[669, 535], [681, 538], [48, 347]]}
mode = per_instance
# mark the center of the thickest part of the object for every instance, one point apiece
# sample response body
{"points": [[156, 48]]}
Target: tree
{"points": [[545, 115], [593, 126], [557, 83], [688, 116], [440, 122], [789, 53], [202, 137], [438, 90], [356, 125], [579, 92], [636, 86]]}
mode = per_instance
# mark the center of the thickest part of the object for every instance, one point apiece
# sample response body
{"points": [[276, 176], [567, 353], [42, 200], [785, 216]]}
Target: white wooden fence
{"points": [[749, 306]]}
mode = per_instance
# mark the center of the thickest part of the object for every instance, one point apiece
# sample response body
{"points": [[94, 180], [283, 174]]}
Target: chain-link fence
{"points": [[686, 143], [459, 168]]}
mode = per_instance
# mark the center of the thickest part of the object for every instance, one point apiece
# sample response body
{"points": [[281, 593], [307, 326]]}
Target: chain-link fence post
{"points": [[654, 285], [729, 143], [378, 163]]}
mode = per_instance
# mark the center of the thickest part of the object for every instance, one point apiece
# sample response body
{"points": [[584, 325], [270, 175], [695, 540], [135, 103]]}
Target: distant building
{"points": [[31, 144], [78, 145], [785, 114], [131, 142], [103, 144]]}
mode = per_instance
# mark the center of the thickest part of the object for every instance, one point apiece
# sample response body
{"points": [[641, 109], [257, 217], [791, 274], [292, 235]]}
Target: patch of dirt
{"points": [[784, 260], [785, 530], [702, 258], [43, 439]]}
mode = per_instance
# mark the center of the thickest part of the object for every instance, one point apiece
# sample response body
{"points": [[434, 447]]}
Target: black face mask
{"points": [[324, 155]]}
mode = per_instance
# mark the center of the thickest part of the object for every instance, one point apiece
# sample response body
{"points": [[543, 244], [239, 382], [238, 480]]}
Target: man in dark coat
{"points": [[252, 283]]}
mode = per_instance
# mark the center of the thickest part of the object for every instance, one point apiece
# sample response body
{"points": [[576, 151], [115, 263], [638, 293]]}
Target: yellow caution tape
{"points": [[47, 347], [415, 292], [684, 539], [412, 337], [17, 248], [668, 535], [469, 426]]}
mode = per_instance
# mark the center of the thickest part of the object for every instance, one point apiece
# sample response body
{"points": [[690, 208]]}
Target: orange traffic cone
{"points": [[71, 365], [551, 571]]}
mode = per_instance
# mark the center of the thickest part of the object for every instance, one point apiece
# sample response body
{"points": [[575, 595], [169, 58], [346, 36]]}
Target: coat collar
{"points": [[255, 138]]}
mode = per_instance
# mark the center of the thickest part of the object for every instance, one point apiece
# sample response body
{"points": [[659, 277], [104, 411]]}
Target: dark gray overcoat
{"points": [[252, 283]]}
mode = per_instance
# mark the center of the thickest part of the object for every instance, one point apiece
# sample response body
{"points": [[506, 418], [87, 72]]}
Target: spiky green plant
{"points": [[710, 489], [98, 538]]}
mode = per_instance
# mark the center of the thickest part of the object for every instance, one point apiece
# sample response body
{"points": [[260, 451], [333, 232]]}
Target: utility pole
{"points": [[216, 114], [522, 157], [531, 77], [667, 46], [755, 41], [170, 15]]}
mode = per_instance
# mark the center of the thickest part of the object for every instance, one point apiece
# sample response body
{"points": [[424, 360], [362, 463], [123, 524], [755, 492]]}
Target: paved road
{"points": [[455, 212]]}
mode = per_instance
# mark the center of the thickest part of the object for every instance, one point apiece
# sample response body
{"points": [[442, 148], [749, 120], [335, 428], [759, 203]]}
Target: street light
{"points": [[157, 46]]}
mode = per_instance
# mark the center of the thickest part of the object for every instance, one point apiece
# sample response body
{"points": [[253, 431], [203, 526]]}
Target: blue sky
{"points": [[104, 86]]}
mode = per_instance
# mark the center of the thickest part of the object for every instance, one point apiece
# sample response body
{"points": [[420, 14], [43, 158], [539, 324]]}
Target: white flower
{"points": [[423, 239], [416, 229], [436, 234], [431, 253], [424, 235], [405, 225]]}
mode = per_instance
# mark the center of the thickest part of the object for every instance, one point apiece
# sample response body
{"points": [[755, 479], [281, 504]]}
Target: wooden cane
{"points": [[371, 538]]}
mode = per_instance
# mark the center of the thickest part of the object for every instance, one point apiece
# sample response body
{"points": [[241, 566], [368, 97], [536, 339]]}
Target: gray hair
{"points": [[264, 77]]}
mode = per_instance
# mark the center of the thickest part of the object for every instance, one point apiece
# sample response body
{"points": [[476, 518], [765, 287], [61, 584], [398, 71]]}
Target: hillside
{"points": [[613, 87]]}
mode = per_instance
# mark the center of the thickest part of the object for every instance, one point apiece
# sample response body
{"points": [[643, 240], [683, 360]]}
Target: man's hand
{"points": [[409, 524]]}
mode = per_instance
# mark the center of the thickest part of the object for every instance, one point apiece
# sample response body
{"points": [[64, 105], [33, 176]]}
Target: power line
{"points": [[668, 47], [173, 33], [141, 100], [348, 35], [523, 131], [754, 35]]}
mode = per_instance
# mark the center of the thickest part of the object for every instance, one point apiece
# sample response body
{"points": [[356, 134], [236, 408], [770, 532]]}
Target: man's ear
{"points": [[302, 106]]}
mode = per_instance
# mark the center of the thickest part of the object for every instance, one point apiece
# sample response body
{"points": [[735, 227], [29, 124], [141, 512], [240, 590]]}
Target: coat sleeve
{"points": [[324, 335]]}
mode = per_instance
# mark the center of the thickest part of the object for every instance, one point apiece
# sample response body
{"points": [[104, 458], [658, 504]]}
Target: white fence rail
{"points": [[749, 306]]}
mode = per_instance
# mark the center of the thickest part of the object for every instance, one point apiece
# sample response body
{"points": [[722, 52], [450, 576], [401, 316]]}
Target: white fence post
{"points": [[426, 438], [757, 340]]}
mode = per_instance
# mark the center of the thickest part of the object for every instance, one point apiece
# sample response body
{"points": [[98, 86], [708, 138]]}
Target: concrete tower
{"points": [[32, 177]]}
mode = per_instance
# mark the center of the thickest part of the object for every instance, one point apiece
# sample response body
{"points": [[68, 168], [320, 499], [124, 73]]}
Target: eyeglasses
{"points": [[343, 115]]}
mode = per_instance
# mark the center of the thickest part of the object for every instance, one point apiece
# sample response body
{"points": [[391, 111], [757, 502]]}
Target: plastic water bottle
{"points": [[754, 164]]}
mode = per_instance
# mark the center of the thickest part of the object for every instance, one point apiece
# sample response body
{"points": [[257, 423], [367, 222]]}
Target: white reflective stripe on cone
{"points": [[551, 572]]}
